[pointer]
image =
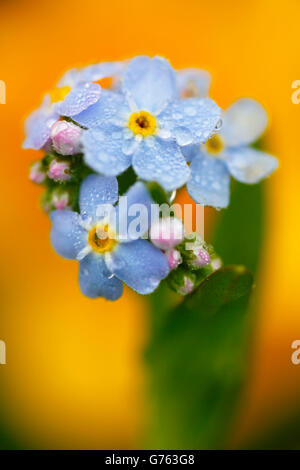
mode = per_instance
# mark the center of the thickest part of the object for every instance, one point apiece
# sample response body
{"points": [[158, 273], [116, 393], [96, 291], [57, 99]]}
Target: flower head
{"points": [[105, 259], [182, 281], [66, 138], [61, 200], [146, 125], [167, 232], [193, 83], [37, 173], [187, 285], [76, 91], [228, 153], [59, 170], [58, 197], [199, 258], [174, 258]]}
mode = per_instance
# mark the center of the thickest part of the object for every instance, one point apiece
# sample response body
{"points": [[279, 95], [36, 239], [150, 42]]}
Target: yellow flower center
{"points": [[59, 94], [142, 123], [215, 144], [102, 238]]}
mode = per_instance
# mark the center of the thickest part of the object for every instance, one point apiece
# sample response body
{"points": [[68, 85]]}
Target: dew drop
{"points": [[219, 125]]}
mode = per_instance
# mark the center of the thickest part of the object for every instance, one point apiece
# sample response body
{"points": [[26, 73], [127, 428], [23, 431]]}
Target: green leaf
{"points": [[8, 437], [197, 364], [239, 235], [126, 180], [281, 432], [224, 286], [158, 194]]}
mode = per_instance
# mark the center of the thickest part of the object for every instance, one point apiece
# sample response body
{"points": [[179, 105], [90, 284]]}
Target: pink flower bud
{"points": [[167, 232], [60, 200], [37, 174], [174, 258], [216, 263], [187, 287], [201, 258], [59, 171], [66, 138]]}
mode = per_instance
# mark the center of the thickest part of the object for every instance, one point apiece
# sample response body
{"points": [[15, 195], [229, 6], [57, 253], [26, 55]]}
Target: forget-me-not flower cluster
{"points": [[151, 124]]}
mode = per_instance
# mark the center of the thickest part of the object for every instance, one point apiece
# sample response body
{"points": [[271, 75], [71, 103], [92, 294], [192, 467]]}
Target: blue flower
{"points": [[93, 73], [146, 125], [38, 125], [104, 263], [75, 92], [229, 153], [193, 83]]}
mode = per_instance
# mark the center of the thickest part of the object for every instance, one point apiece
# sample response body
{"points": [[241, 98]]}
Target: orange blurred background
{"points": [[73, 377]]}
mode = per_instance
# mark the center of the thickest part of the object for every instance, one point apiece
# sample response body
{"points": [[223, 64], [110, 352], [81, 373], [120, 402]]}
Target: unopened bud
{"points": [[216, 263], [45, 201], [37, 173], [174, 258], [199, 258], [195, 252], [66, 138], [187, 286], [59, 171], [167, 232], [60, 200], [182, 281]]}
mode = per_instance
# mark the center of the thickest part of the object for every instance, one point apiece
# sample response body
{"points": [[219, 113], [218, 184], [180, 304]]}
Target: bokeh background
{"points": [[73, 377]]}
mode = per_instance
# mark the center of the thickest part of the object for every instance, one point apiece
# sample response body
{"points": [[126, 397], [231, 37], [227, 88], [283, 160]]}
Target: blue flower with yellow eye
{"points": [[193, 83], [75, 92], [107, 254], [146, 125], [228, 153]]}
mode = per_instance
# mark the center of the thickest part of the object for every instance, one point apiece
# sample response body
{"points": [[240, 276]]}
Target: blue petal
{"points": [[210, 181], [103, 150], [243, 122], [70, 78], [95, 279], [95, 72], [38, 125], [161, 161], [79, 99], [91, 73], [190, 151], [249, 165], [68, 237], [192, 120], [139, 264], [149, 83], [96, 190], [139, 194], [128, 212], [193, 83], [110, 107]]}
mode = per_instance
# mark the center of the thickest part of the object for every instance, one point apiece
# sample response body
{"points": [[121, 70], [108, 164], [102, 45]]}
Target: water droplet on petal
{"points": [[219, 125]]}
